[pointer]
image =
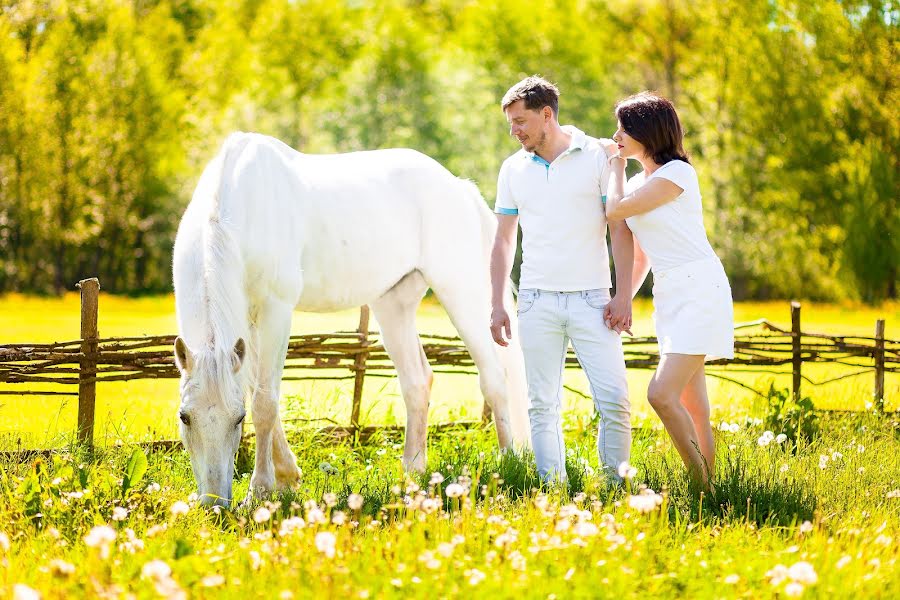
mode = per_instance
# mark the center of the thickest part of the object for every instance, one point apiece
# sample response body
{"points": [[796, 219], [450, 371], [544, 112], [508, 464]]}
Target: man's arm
{"points": [[618, 312], [501, 265]]}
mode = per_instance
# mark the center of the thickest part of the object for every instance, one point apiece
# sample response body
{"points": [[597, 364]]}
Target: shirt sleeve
{"points": [[680, 173], [506, 204], [603, 169]]}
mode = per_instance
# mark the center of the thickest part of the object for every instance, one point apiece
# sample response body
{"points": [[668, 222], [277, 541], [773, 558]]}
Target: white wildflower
{"points": [[793, 589], [119, 513], [156, 569], [290, 525], [806, 527], [61, 568], [23, 592], [823, 461], [777, 574], [179, 508], [780, 438], [803, 572], [262, 514], [330, 499], [355, 502], [626, 471], [475, 576], [99, 536], [325, 542], [213, 580], [454, 490]]}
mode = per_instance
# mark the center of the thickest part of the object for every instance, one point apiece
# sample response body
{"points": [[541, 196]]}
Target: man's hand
{"points": [[617, 314], [499, 324]]}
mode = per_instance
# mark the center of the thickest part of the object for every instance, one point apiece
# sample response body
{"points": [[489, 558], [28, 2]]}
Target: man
{"points": [[554, 188]]}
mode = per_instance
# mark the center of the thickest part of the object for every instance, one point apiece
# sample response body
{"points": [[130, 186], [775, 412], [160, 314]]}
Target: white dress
{"points": [[692, 303]]}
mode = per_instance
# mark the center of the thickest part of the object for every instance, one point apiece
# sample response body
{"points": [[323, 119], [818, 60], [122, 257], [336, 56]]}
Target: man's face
{"points": [[529, 127]]}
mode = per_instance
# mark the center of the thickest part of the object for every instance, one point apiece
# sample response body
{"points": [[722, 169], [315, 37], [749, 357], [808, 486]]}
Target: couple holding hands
{"points": [[564, 188]]}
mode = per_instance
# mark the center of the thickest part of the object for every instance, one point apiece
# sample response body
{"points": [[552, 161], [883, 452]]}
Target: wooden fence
{"points": [[91, 360]]}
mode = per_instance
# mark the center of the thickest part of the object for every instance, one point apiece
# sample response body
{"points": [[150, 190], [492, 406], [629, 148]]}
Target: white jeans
{"points": [[547, 321]]}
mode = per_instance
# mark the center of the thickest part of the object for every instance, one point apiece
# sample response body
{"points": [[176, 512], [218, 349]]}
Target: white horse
{"points": [[269, 230]]}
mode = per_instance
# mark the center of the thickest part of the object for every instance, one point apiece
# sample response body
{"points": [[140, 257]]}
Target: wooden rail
{"points": [[354, 355]]}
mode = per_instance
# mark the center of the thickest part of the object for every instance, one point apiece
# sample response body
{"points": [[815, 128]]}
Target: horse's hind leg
{"points": [[275, 465], [466, 297], [395, 312]]}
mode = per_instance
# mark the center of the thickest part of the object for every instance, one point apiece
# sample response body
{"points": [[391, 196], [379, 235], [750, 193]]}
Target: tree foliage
{"points": [[110, 109]]}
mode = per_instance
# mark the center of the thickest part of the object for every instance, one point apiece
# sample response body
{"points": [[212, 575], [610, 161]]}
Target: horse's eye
{"points": [[184, 418], [240, 420]]}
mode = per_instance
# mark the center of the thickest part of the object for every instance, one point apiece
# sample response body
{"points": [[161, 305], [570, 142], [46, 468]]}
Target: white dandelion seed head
{"points": [[156, 569], [454, 490], [179, 508], [806, 527], [436, 479], [626, 471], [119, 513], [355, 502], [262, 514], [793, 589], [99, 536], [803, 572], [23, 592], [325, 543]]}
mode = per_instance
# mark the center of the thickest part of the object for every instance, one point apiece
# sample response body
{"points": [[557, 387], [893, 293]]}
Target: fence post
{"points": [[87, 385], [797, 359], [879, 365], [359, 366]]}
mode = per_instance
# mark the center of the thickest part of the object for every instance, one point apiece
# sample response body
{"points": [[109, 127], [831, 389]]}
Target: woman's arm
{"points": [[640, 270], [652, 194]]}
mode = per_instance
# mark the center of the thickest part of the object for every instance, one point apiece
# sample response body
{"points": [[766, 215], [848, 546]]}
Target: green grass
{"points": [[833, 526], [141, 410]]}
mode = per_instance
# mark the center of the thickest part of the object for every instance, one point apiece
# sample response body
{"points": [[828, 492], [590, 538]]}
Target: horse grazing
{"points": [[269, 230]]}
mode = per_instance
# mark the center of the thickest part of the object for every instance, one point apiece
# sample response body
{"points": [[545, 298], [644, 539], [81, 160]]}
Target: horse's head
{"points": [[211, 413]]}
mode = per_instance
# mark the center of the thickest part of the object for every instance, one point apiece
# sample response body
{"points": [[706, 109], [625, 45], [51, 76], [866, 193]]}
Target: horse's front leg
{"points": [[276, 466]]}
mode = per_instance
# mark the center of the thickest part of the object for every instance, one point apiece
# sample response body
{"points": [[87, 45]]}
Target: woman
{"points": [[691, 295]]}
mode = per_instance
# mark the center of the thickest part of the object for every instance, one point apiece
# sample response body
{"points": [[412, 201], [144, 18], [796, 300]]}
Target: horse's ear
{"points": [[239, 350], [184, 360]]}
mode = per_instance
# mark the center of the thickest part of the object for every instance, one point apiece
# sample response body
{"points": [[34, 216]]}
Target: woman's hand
{"points": [[617, 314]]}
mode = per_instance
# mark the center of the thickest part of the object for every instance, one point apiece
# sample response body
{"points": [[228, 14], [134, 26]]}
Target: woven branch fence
{"points": [[356, 355]]}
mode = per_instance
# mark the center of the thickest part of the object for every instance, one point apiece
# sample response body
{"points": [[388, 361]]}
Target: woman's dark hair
{"points": [[652, 120]]}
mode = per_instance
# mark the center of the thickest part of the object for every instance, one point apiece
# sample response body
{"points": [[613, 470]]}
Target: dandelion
{"points": [[4, 541], [585, 529], [315, 516], [777, 574], [100, 536], [397, 582], [156, 570], [842, 562], [454, 490], [445, 549], [436, 479], [286, 595], [766, 438], [179, 508], [823, 461], [732, 579], [646, 501], [893, 494], [793, 589], [784, 468], [119, 513], [23, 592], [152, 488], [61, 568], [780, 438], [255, 560], [330, 499], [327, 468], [803, 572], [262, 514], [213, 580], [884, 540], [355, 502], [290, 525], [325, 542], [806, 527], [475, 576], [836, 455], [626, 471], [339, 518]]}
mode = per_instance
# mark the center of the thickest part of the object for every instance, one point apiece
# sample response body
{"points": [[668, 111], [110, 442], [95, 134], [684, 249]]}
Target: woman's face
{"points": [[628, 146]]}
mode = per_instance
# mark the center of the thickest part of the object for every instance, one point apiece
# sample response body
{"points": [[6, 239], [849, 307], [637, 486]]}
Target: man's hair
{"points": [[537, 93], [652, 120]]}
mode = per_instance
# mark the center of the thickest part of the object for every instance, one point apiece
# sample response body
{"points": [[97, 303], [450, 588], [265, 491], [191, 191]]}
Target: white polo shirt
{"points": [[560, 208]]}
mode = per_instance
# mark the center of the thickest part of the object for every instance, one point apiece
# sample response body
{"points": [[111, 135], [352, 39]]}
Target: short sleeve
{"points": [[680, 173], [506, 203], [603, 168]]}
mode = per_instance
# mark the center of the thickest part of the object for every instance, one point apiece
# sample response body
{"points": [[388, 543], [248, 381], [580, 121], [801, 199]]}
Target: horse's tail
{"points": [[511, 356]]}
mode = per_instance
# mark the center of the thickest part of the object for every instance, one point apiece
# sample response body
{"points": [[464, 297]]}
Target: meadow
{"points": [[145, 410], [806, 504]]}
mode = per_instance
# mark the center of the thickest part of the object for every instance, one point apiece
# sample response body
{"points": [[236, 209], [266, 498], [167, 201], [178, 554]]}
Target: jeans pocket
{"points": [[526, 300], [597, 300]]}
